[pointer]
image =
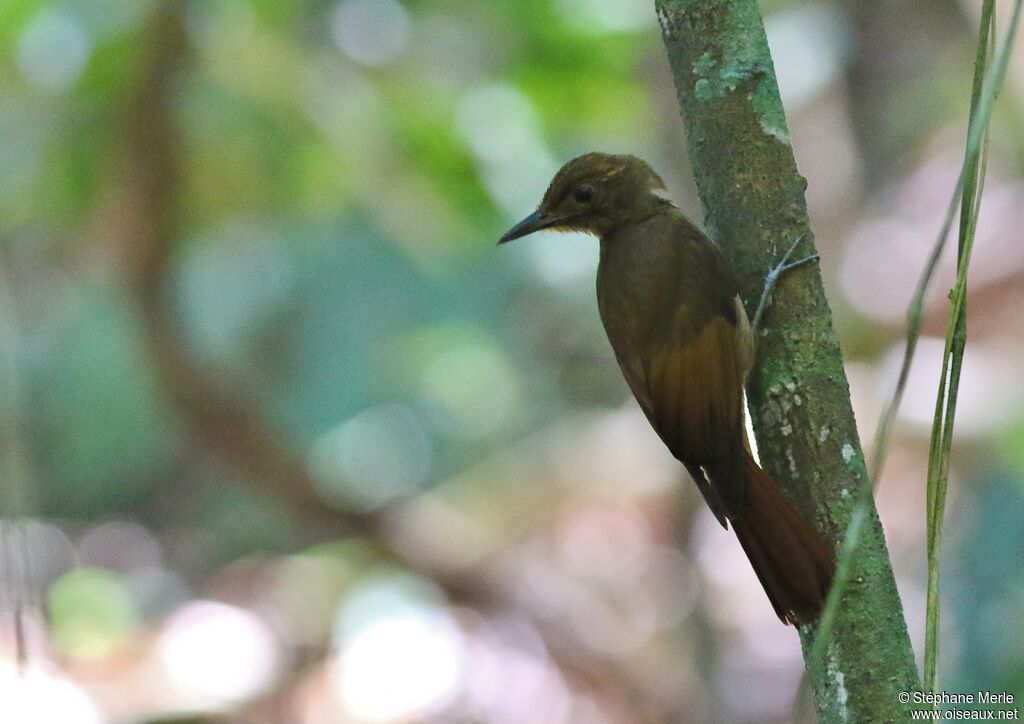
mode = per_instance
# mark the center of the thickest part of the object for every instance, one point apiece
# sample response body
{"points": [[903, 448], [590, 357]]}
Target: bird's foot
{"points": [[773, 276]]}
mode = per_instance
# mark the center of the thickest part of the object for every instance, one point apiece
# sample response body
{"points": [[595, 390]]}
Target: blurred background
{"points": [[291, 440]]}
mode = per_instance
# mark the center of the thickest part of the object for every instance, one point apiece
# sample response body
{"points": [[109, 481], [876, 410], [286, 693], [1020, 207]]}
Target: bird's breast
{"points": [[641, 290]]}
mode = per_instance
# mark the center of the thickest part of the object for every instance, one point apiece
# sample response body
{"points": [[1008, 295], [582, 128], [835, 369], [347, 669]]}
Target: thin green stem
{"points": [[990, 88], [987, 85], [952, 358]]}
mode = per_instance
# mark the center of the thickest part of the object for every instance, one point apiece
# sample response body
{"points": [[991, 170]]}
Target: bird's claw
{"points": [[775, 273]]}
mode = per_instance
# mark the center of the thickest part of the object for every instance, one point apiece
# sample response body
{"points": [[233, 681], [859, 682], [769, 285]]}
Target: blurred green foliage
{"points": [[335, 265]]}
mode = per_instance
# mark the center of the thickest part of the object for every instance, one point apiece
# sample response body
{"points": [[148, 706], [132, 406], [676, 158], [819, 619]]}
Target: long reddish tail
{"points": [[794, 564]]}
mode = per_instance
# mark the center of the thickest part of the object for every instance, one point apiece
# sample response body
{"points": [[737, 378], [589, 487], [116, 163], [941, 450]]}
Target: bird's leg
{"points": [[773, 276]]}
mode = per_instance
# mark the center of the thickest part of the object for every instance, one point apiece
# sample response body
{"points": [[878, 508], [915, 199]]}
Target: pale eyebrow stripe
{"points": [[614, 171]]}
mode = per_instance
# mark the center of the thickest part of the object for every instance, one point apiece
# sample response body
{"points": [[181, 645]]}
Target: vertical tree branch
{"points": [[799, 399]]}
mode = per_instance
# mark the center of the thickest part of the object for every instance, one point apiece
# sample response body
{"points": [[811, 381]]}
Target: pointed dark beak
{"points": [[534, 222]]}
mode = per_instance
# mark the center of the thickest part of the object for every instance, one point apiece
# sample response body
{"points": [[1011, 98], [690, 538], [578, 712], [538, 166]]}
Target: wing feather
{"points": [[691, 389]]}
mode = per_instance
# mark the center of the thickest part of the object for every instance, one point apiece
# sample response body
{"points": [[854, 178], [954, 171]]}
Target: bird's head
{"points": [[594, 193]]}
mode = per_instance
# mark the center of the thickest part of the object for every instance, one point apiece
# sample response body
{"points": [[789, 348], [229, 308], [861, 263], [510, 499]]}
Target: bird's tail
{"points": [[793, 563]]}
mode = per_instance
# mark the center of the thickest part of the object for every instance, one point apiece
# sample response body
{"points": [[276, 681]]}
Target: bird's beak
{"points": [[534, 222]]}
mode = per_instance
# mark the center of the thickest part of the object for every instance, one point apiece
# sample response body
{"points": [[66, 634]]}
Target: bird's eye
{"points": [[584, 193]]}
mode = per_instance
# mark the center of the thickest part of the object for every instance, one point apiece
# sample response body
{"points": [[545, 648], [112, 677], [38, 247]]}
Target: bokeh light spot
{"points": [[119, 545], [810, 43], [52, 50], [475, 385], [502, 129], [92, 612], [563, 258], [496, 121], [401, 657], [32, 695], [371, 32], [216, 653], [608, 16], [378, 455]]}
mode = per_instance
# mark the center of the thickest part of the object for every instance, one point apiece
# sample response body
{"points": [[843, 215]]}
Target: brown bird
{"points": [[669, 301]]}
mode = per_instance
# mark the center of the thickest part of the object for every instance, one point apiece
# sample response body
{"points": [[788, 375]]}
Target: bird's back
{"points": [[662, 278], [668, 300]]}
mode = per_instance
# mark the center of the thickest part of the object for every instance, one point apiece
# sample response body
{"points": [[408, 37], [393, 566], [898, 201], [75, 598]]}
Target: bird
{"points": [[669, 301]]}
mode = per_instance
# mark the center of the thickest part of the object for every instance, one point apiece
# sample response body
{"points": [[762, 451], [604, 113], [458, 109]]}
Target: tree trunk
{"points": [[799, 399]]}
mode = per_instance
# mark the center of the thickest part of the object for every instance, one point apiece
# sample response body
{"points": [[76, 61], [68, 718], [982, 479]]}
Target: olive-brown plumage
{"points": [[669, 301]]}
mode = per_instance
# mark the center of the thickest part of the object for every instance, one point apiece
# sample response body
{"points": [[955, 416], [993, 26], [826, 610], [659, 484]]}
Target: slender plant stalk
{"points": [[989, 90], [986, 88], [952, 358]]}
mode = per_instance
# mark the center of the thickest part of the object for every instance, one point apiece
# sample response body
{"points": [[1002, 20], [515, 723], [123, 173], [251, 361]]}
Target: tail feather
{"points": [[793, 563]]}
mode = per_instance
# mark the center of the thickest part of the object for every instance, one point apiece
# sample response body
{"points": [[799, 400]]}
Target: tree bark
{"points": [[799, 399]]}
